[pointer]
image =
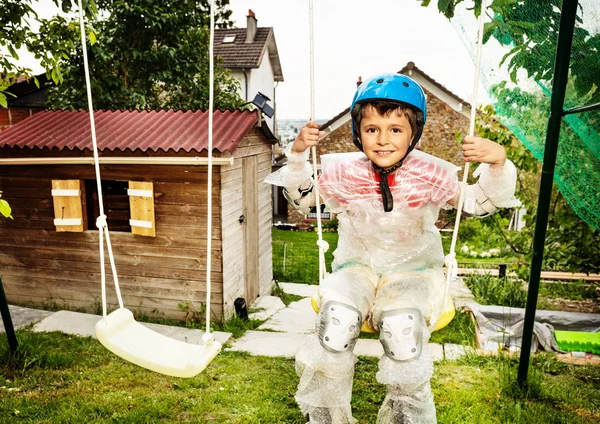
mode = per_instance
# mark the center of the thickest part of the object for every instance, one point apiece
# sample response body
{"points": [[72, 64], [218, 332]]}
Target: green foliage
{"points": [[331, 224], [296, 255], [530, 31], [149, 54], [578, 290], [48, 45], [89, 384], [286, 298], [5, 208], [489, 290], [461, 330], [571, 244]]}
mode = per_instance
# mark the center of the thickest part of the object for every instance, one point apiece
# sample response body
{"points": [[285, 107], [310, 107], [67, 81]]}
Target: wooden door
{"points": [[250, 202]]}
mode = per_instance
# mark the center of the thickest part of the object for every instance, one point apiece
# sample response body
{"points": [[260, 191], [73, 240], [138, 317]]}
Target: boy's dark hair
{"points": [[383, 107]]}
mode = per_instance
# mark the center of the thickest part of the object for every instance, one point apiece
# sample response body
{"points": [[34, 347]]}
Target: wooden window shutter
{"points": [[68, 210], [141, 204]]}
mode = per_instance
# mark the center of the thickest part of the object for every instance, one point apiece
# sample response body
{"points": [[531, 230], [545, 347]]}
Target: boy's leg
{"points": [[401, 311], [325, 364]]}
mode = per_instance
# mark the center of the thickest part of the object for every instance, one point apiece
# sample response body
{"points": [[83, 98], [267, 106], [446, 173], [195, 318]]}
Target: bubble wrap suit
{"points": [[384, 261]]}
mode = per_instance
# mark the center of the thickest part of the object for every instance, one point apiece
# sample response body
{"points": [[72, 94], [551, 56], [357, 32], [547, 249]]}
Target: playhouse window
{"points": [[115, 201]]}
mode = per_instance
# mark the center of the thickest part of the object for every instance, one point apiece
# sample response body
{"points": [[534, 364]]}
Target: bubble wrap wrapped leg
{"points": [[325, 387], [409, 399]]}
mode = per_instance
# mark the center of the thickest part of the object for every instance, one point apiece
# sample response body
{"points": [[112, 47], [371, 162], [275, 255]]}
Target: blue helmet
{"points": [[394, 88]]}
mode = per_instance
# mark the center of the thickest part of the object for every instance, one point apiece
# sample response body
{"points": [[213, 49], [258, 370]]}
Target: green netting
{"points": [[517, 70]]}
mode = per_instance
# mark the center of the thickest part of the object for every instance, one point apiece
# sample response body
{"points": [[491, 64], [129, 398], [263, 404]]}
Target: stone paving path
{"points": [[281, 335], [286, 329]]}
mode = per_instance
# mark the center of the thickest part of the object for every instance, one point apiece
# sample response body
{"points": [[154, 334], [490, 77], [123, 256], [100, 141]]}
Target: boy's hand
{"points": [[478, 149], [309, 136]]}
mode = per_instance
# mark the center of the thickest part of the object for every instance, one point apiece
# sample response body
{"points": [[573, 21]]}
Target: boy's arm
{"points": [[296, 177], [497, 178], [299, 192]]}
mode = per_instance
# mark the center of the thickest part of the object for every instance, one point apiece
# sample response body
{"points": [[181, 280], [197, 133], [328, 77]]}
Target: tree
{"points": [[530, 30], [165, 42], [149, 54], [17, 22], [571, 244]]}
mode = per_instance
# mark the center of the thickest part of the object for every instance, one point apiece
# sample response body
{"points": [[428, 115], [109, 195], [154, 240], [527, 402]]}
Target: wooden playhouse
{"points": [[154, 184]]}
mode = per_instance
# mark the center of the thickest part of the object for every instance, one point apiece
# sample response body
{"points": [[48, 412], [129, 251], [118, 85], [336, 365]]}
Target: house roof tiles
{"points": [[238, 54], [166, 130]]}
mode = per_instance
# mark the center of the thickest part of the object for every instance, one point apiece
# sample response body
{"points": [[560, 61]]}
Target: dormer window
{"points": [[228, 39]]}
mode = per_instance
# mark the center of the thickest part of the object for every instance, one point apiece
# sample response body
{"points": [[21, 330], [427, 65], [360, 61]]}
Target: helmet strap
{"points": [[384, 186]]}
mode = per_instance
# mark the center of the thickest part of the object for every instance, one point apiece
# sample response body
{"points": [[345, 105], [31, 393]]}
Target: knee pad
{"points": [[339, 326], [401, 333]]}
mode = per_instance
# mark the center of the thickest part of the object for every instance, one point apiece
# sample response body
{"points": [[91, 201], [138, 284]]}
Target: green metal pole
{"points": [[561, 73], [6, 319]]}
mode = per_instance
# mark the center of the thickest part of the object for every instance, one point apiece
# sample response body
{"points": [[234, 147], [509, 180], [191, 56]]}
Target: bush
{"points": [[489, 290]]}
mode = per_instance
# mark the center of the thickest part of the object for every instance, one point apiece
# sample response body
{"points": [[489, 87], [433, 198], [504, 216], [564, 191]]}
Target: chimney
{"points": [[251, 27], [359, 82]]}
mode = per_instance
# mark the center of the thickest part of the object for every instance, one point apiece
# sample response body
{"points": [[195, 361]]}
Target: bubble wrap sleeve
{"points": [[296, 180], [495, 189], [295, 173]]}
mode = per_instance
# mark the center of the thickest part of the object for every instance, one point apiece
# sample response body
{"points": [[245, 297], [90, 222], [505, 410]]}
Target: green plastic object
{"points": [[578, 341]]}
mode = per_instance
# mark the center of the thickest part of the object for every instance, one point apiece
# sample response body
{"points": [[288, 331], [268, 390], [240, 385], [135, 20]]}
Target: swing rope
{"points": [[322, 244], [450, 258], [118, 331], [208, 336], [101, 221]]}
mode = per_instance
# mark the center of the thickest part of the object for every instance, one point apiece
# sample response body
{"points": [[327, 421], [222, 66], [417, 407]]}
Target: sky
{"points": [[352, 38], [355, 38]]}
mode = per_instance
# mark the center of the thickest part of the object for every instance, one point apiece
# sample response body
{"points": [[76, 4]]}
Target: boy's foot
{"points": [[319, 416]]}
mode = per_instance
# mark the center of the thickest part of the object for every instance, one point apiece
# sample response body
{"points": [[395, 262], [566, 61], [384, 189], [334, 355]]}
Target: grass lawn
{"points": [[60, 378]]}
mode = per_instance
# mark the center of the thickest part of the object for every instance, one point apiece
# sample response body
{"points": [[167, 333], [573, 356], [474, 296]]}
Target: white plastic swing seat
{"points": [[120, 333]]}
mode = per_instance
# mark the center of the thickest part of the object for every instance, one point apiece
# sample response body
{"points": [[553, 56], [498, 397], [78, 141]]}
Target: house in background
{"points": [[251, 55], [154, 177], [29, 100], [447, 114]]}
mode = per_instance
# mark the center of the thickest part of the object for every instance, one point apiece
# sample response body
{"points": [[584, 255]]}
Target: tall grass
{"points": [[489, 290]]}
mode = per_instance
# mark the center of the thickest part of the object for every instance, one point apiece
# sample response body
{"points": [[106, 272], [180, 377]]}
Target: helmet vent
{"points": [[380, 80], [405, 84]]}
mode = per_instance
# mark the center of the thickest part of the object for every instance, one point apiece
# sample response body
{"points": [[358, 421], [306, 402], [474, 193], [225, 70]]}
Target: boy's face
{"points": [[385, 138]]}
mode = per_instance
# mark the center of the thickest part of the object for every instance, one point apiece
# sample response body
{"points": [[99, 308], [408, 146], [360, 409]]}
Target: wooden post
{"points": [[7, 320]]}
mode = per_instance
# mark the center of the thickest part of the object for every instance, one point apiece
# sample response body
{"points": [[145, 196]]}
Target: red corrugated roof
{"points": [[131, 130]]}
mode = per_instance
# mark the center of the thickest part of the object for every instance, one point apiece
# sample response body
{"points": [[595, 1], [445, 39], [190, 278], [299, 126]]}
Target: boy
{"points": [[387, 268]]}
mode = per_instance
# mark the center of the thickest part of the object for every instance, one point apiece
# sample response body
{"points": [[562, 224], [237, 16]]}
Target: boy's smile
{"points": [[385, 138]]}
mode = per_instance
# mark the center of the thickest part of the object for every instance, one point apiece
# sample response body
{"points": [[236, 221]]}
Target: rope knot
{"points": [[451, 265], [208, 337], [101, 222], [323, 245]]}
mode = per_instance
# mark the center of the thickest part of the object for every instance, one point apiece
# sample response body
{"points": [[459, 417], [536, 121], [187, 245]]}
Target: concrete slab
{"points": [[265, 307], [304, 290], [437, 351], [368, 347], [69, 322], [372, 347], [80, 324], [22, 317], [268, 343], [298, 317], [453, 351]]}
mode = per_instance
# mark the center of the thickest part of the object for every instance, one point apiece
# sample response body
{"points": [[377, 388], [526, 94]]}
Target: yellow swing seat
{"points": [[120, 333], [445, 317]]}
